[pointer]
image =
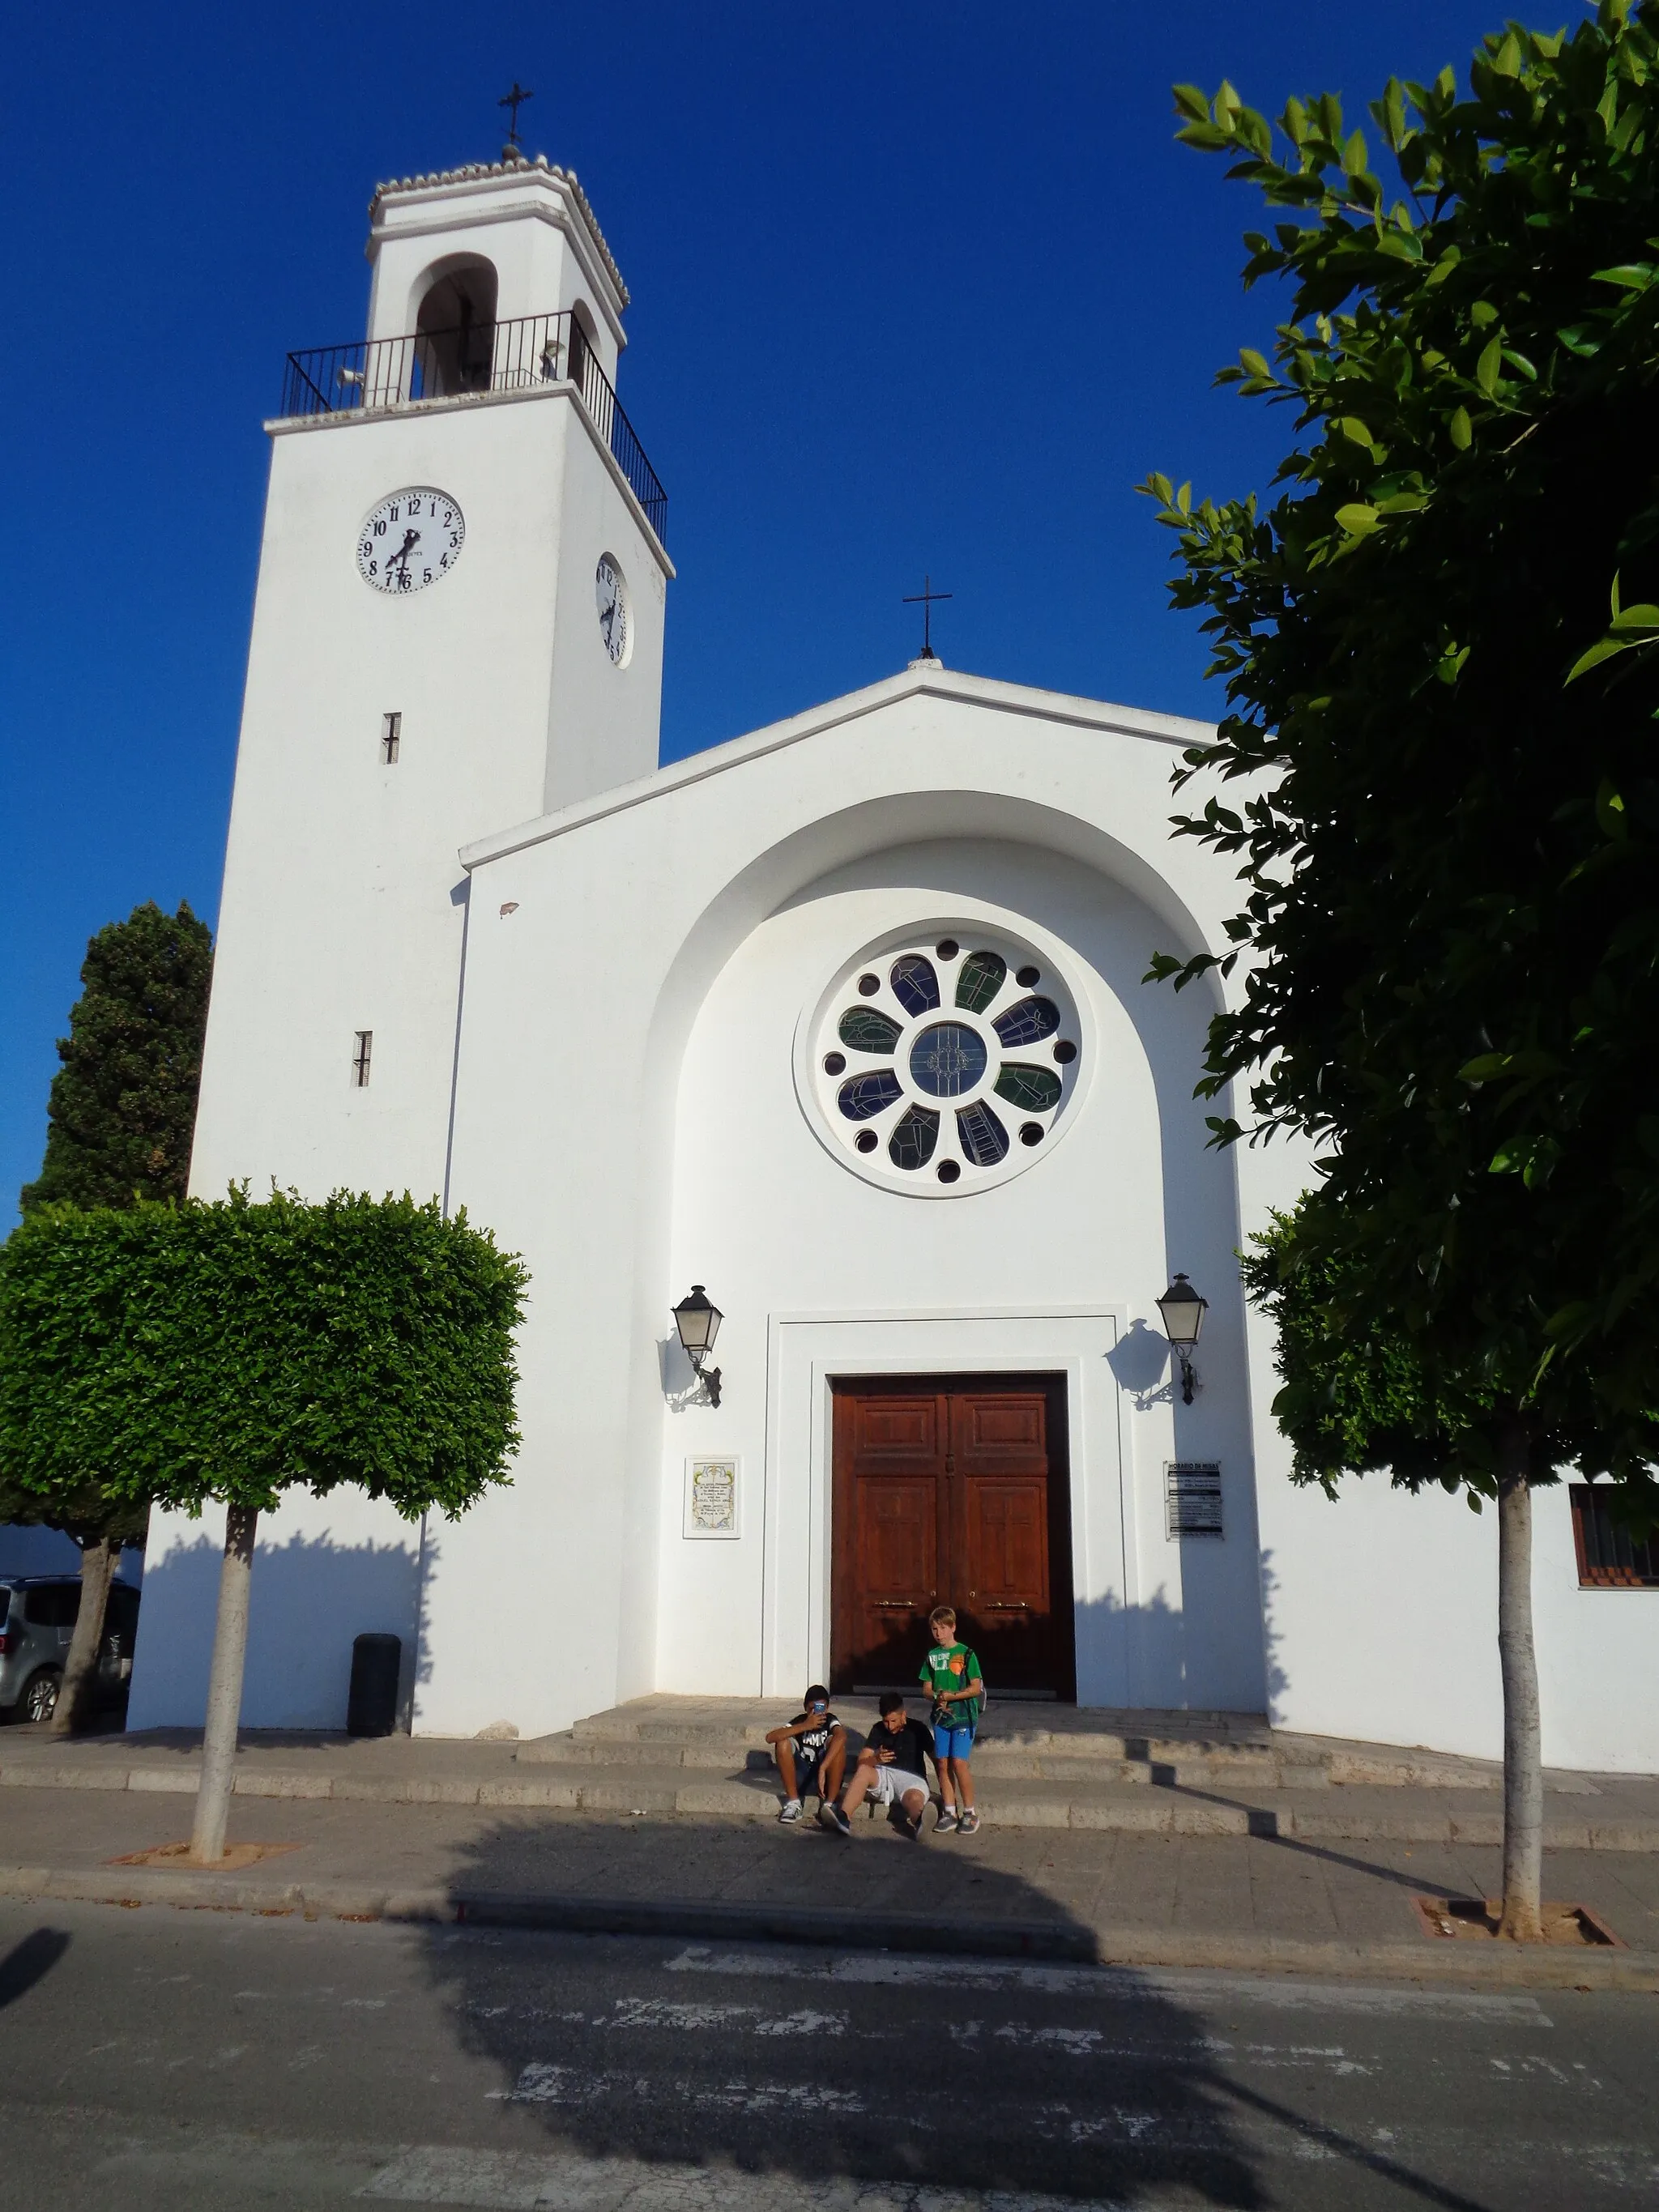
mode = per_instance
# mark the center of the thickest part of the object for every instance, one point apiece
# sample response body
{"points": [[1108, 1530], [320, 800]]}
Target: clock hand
{"points": [[411, 539]]}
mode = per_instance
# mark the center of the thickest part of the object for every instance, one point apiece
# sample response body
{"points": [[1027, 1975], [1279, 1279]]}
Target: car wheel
{"points": [[39, 1698]]}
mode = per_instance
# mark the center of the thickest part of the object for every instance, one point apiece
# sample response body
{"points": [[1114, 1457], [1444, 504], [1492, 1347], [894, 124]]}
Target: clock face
{"points": [[611, 600], [411, 540]]}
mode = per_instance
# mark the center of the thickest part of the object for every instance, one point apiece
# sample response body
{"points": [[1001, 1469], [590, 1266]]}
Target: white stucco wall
{"points": [[325, 1571], [528, 223], [1049, 1269], [1382, 1624], [726, 873], [344, 905]]}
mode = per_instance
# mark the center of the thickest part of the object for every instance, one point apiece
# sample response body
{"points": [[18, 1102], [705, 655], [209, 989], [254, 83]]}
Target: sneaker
{"points": [[791, 1810], [833, 1817], [968, 1824], [947, 1821], [913, 1828]]}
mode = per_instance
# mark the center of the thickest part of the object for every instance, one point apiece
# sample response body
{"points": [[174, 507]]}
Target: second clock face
{"points": [[611, 600], [411, 539]]}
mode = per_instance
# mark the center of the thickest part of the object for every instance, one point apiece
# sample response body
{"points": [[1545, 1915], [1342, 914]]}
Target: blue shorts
{"points": [[953, 1742]]}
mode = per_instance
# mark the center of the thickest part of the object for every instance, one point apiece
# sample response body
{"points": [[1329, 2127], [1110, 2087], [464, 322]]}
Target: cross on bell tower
{"points": [[513, 101]]}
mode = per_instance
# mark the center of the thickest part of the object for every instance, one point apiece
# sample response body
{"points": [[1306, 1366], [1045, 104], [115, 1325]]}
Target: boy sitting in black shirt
{"points": [[892, 1769], [811, 1754]]}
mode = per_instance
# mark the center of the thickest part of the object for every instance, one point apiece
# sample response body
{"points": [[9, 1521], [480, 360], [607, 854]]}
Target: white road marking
{"points": [[1093, 2043], [566, 2181], [661, 2012], [1188, 1987], [539, 2084]]}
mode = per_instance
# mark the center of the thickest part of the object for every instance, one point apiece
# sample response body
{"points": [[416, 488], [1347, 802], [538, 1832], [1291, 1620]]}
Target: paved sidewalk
{"points": [[1242, 1902]]}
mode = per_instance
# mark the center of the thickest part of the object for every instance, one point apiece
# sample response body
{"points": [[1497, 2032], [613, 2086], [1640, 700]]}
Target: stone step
{"points": [[1075, 1762], [1040, 1742], [614, 1731], [1077, 1756]]}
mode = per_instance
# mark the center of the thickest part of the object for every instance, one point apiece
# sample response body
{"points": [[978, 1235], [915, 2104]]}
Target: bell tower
{"points": [[458, 627]]}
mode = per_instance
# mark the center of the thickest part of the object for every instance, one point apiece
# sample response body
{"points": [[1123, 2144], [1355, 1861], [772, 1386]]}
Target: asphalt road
{"points": [[160, 2059]]}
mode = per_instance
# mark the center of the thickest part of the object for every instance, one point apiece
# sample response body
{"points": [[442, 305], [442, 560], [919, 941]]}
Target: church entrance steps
{"points": [[1039, 1742]]}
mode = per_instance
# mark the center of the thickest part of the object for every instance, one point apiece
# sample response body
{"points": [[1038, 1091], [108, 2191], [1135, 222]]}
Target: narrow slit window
{"points": [[360, 1055], [392, 737]]}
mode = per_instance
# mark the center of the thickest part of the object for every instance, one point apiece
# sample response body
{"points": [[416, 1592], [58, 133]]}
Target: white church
{"points": [[838, 1028]]}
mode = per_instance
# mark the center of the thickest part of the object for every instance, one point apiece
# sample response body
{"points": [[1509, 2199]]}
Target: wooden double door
{"points": [[951, 1490]]}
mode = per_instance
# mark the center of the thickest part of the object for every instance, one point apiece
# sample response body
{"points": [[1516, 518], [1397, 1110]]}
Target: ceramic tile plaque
{"points": [[711, 1496]]}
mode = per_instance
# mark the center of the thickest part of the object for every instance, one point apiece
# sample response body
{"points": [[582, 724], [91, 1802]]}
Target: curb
{"points": [[845, 1929], [1161, 1810]]}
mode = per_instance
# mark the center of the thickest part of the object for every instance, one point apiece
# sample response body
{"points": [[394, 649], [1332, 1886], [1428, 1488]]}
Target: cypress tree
{"points": [[122, 1104]]}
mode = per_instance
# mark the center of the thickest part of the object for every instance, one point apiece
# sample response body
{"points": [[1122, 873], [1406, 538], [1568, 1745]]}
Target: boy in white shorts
{"points": [[892, 1769]]}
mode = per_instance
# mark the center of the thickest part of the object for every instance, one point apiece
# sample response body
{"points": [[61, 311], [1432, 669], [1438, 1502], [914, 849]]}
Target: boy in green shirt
{"points": [[950, 1675]]}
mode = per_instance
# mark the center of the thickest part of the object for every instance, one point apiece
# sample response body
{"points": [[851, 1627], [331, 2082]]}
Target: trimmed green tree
{"points": [[122, 1109], [229, 1352], [1446, 805]]}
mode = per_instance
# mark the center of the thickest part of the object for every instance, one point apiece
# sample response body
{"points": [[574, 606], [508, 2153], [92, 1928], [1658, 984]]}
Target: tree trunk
{"points": [[78, 1694], [224, 1706], [1523, 1761]]}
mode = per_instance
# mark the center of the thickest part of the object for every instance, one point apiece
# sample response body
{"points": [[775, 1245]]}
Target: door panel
{"points": [[954, 1489], [1006, 1611], [896, 1432], [1005, 1432]]}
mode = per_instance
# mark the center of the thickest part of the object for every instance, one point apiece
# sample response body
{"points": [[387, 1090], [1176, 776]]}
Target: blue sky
{"points": [[917, 287]]}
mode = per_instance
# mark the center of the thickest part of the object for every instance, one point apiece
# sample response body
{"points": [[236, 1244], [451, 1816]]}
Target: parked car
{"points": [[37, 1619]]}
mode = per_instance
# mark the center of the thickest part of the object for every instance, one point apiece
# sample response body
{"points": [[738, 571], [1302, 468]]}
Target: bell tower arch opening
{"points": [[455, 327]]}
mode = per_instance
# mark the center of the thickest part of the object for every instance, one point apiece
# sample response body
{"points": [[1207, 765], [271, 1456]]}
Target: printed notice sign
{"points": [[711, 1498], [1192, 1498]]}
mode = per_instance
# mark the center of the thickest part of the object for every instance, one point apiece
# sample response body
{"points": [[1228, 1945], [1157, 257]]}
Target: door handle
{"points": [[1017, 1606]]}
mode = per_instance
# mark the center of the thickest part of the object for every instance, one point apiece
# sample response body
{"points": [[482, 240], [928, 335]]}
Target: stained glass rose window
{"points": [[942, 1065]]}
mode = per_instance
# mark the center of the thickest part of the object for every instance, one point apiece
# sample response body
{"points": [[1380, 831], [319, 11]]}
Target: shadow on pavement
{"points": [[818, 2063], [29, 1962]]}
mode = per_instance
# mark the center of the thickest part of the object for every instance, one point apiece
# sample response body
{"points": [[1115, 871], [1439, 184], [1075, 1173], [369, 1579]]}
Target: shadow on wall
{"points": [[1278, 1681], [1196, 1656], [802, 2075], [311, 1597]]}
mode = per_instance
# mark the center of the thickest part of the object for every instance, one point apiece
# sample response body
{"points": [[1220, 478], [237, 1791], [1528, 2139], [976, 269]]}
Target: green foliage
{"points": [[123, 1105], [1358, 1394], [1448, 808], [231, 1351]]}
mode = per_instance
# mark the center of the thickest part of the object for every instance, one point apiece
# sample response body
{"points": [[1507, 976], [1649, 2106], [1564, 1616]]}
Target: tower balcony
{"points": [[431, 366]]}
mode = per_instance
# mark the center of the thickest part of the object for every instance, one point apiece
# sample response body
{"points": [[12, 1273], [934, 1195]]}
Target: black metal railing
{"points": [[476, 357]]}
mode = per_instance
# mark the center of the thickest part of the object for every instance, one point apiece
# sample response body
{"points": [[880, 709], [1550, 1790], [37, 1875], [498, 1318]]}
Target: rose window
{"points": [[944, 1065]]}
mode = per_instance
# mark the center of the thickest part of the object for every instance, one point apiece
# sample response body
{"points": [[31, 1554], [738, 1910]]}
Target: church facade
{"points": [[839, 1028]]}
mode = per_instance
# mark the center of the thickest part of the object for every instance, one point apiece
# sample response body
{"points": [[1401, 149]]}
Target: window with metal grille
{"points": [[392, 737], [1609, 1557], [360, 1057]]}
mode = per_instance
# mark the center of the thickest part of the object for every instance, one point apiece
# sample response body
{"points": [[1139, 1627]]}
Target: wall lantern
{"points": [[699, 1324], [1183, 1312]]}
